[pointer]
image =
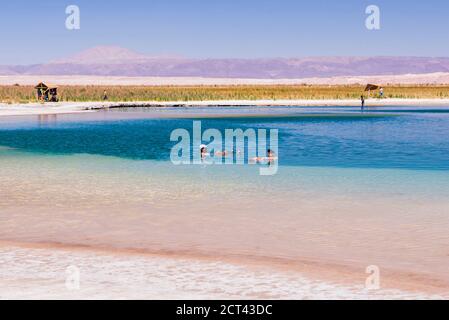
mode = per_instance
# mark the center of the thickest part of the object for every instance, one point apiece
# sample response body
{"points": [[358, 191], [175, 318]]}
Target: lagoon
{"points": [[353, 189]]}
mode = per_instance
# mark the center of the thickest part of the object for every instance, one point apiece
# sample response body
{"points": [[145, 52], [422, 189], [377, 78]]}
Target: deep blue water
{"points": [[406, 138]]}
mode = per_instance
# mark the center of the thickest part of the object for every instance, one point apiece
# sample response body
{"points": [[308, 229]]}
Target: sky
{"points": [[35, 32]]}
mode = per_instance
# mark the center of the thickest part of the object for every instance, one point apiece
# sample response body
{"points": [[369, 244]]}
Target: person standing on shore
{"points": [[362, 100], [381, 92], [105, 96]]}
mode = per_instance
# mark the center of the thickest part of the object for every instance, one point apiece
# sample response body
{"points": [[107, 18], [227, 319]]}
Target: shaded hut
{"points": [[47, 92], [372, 87]]}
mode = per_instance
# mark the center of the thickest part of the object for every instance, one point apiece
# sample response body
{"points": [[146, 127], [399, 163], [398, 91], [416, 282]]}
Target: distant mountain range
{"points": [[116, 61]]}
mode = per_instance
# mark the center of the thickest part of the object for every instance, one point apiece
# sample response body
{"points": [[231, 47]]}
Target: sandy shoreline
{"points": [[76, 107], [118, 274]]}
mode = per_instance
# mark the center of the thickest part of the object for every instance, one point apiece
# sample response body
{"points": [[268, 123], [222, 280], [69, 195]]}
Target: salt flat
{"points": [[427, 78]]}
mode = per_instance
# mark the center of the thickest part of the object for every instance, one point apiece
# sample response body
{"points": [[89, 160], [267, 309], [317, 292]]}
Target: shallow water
{"points": [[352, 189]]}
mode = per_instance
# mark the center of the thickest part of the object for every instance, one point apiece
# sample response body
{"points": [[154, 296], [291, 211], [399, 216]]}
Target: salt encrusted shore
{"points": [[74, 273], [437, 78], [76, 107]]}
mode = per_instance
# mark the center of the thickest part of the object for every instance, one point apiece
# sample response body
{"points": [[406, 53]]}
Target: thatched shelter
{"points": [[373, 87], [47, 92], [370, 87]]}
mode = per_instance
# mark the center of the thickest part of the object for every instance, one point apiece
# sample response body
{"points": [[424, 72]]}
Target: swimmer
{"points": [[223, 153], [271, 155], [203, 151], [269, 158], [257, 159]]}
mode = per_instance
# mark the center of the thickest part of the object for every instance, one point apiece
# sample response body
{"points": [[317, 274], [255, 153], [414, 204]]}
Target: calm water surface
{"points": [[403, 138], [352, 188]]}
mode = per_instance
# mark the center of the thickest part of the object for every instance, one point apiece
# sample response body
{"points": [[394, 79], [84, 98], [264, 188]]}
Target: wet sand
{"points": [[50, 272]]}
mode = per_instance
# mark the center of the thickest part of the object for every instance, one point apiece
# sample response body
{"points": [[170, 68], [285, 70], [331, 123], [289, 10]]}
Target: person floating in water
{"points": [[269, 158], [362, 100], [271, 155], [203, 151], [223, 153]]}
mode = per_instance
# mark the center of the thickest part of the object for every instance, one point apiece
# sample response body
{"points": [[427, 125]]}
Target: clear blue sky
{"points": [[34, 31]]}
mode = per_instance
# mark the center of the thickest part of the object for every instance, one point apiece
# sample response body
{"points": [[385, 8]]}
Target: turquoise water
{"points": [[355, 188], [389, 138]]}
